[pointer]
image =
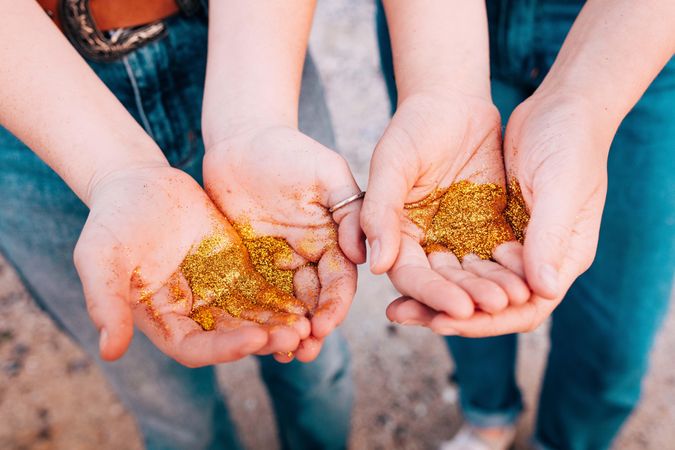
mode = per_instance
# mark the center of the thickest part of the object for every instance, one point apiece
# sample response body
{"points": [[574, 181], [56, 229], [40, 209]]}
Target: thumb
{"points": [[106, 291], [388, 186], [553, 215]]}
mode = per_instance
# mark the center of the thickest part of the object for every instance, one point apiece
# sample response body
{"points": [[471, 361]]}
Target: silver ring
{"points": [[346, 201]]}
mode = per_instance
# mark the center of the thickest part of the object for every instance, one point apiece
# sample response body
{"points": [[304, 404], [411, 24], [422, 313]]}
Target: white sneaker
{"points": [[471, 438]]}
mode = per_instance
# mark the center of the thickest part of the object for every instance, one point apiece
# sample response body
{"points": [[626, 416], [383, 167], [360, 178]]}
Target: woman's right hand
{"points": [[142, 224]]}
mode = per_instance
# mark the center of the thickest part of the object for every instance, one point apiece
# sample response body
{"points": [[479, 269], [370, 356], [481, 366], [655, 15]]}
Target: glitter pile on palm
{"points": [[221, 274], [469, 218]]}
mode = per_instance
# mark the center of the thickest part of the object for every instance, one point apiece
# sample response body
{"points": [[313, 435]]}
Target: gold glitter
{"points": [[430, 248], [464, 218], [516, 210], [177, 294], [204, 317], [266, 253], [421, 213], [220, 274], [145, 299]]}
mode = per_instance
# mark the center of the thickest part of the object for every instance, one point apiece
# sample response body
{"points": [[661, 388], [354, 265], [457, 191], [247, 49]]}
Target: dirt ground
{"points": [[53, 397]]}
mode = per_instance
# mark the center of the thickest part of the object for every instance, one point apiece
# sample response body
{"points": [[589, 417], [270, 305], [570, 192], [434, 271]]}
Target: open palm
{"points": [[276, 185], [142, 225], [433, 142], [555, 151]]}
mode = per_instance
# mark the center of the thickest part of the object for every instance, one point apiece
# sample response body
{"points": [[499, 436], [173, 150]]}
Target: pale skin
{"points": [[52, 101], [106, 159], [558, 137], [445, 130], [561, 136], [259, 169]]}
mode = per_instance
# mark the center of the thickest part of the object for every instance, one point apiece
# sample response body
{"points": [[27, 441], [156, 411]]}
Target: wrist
{"points": [[604, 112], [439, 45], [142, 162], [609, 108], [225, 116], [568, 107], [448, 96], [444, 85], [219, 135]]}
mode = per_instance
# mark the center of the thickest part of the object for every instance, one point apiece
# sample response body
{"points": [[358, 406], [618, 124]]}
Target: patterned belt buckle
{"points": [[80, 29]]}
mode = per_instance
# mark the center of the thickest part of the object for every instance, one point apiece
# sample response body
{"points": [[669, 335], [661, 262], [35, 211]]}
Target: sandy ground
{"points": [[53, 397]]}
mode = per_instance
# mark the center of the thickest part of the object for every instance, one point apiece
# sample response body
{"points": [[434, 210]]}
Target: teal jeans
{"points": [[161, 85], [603, 331]]}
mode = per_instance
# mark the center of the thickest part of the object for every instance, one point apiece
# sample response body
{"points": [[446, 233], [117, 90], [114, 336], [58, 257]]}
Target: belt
{"points": [[105, 30]]}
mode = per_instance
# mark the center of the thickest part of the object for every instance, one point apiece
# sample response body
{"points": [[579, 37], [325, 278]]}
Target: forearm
{"points": [[613, 52], [439, 44], [255, 60], [53, 102]]}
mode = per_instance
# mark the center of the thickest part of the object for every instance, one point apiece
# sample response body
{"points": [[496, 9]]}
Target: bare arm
{"points": [[145, 216], [256, 55], [613, 52], [445, 130], [439, 44], [53, 102], [556, 146], [261, 170]]}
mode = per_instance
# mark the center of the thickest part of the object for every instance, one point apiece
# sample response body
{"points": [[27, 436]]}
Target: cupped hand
{"points": [[276, 185], [556, 149], [443, 150], [143, 224]]}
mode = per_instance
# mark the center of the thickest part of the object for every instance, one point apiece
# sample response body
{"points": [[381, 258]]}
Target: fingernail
{"points": [[411, 322], [549, 277], [446, 331], [374, 253], [103, 339]]}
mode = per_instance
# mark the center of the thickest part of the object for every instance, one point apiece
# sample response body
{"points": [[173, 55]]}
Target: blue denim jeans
{"points": [[175, 407], [603, 331]]}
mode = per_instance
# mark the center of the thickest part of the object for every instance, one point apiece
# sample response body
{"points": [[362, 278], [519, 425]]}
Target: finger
{"points": [[515, 287], [510, 255], [391, 178], [552, 219], [413, 277], [339, 184], [282, 339], [337, 276], [408, 311], [351, 238], [514, 319], [306, 286], [226, 322], [191, 346], [309, 349], [284, 357], [300, 325], [293, 262], [486, 293], [174, 296], [287, 304], [105, 283]]}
